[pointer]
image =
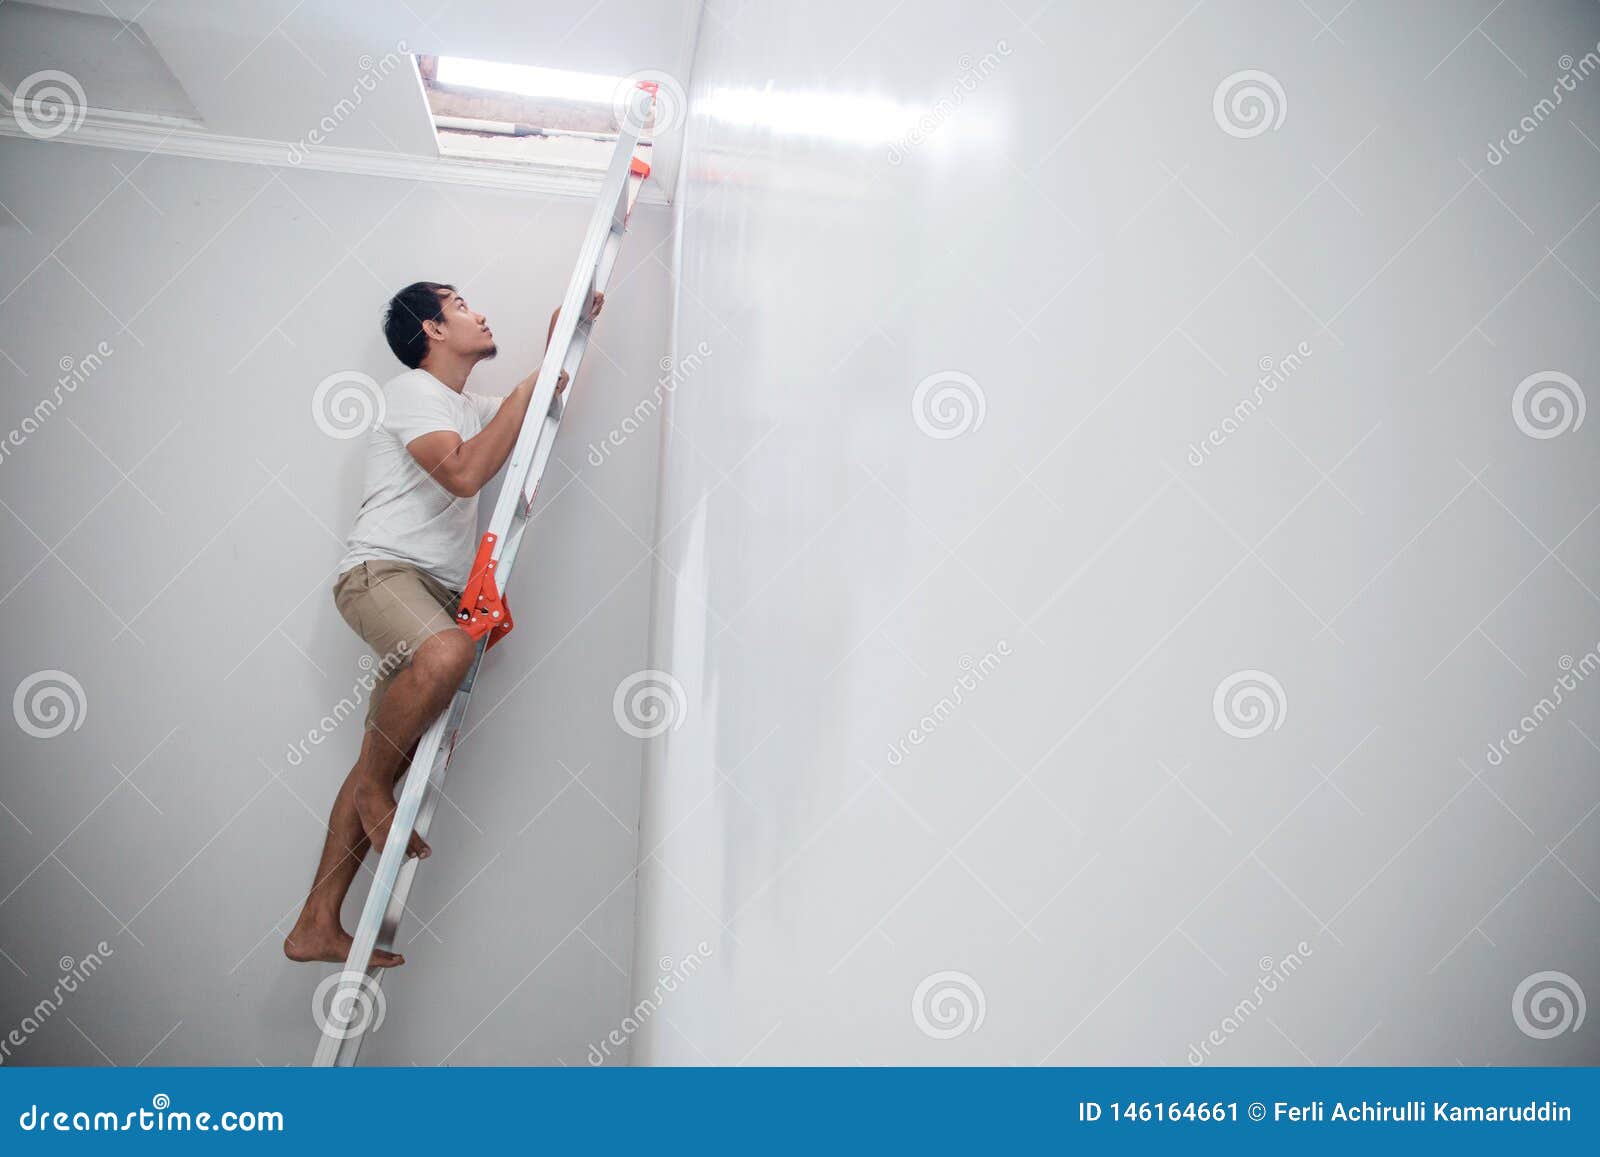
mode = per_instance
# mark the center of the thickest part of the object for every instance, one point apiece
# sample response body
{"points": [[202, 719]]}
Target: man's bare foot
{"points": [[375, 805], [331, 946]]}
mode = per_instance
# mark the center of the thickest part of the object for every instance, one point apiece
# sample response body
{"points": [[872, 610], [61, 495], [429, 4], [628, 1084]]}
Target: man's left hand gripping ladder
{"points": [[348, 1001]]}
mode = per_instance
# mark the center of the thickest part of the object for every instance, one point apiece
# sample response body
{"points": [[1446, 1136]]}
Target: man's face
{"points": [[461, 331]]}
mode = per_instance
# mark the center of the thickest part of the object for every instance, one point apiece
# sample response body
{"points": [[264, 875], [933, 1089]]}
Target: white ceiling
{"points": [[272, 69]]}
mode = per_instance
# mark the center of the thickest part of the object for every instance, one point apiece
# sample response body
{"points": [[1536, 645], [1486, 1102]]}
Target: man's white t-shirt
{"points": [[408, 516]]}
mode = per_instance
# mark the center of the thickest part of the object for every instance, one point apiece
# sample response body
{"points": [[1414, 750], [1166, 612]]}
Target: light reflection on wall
{"points": [[849, 118]]}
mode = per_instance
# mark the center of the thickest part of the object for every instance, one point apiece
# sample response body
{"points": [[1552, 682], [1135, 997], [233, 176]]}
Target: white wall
{"points": [[170, 536], [1080, 837]]}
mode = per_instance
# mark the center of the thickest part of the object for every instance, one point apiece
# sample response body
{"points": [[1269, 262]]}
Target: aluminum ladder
{"points": [[348, 1003]]}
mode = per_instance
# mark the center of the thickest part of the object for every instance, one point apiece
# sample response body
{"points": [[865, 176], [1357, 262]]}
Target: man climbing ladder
{"points": [[444, 444], [405, 566]]}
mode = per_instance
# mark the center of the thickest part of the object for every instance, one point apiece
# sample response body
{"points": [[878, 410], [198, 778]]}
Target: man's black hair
{"points": [[402, 321]]}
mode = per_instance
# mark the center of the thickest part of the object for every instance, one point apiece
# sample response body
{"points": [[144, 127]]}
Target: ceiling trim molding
{"points": [[178, 140]]}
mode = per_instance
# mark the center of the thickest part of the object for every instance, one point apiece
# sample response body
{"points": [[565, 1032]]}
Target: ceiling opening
{"points": [[487, 110]]}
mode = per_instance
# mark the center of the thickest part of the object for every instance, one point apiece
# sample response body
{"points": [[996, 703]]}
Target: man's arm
{"points": [[464, 466]]}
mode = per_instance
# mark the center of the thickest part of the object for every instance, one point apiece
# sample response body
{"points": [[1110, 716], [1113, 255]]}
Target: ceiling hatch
{"points": [[490, 111]]}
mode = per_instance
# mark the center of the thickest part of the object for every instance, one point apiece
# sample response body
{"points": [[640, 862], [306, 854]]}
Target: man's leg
{"points": [[397, 611], [413, 699], [318, 933]]}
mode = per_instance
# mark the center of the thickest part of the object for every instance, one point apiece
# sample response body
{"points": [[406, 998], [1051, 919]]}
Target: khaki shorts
{"points": [[395, 607]]}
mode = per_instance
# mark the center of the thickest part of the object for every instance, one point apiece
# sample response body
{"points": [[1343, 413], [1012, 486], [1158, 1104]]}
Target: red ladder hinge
{"points": [[483, 609]]}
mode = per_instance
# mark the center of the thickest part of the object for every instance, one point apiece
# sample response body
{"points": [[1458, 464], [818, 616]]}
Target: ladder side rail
{"points": [[552, 425], [393, 914], [529, 469], [613, 188], [541, 458], [608, 255], [381, 889], [541, 453], [573, 362], [610, 247], [433, 752]]}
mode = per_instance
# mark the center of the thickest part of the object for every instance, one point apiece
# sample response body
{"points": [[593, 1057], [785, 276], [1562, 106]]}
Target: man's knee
{"points": [[444, 658]]}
